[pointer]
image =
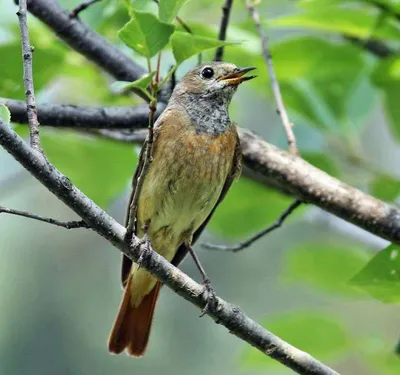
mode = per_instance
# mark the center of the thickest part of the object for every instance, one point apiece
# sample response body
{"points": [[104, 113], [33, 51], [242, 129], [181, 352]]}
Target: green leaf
{"points": [[326, 267], [385, 187], [168, 9], [321, 161], [355, 22], [5, 114], [322, 336], [185, 45], [248, 207], [381, 276], [387, 71], [146, 34], [141, 83], [99, 167]]}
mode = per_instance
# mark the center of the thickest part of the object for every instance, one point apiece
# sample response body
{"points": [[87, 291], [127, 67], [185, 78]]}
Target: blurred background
{"points": [[60, 289]]}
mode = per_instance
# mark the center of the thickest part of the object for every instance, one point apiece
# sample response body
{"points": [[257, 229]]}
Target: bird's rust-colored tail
{"points": [[132, 326]]}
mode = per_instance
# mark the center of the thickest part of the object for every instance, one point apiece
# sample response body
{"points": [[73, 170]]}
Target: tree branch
{"points": [[86, 117], [226, 314], [375, 47], [295, 176], [86, 41], [63, 224], [81, 7], [27, 50], [245, 244], [287, 126], [226, 11]]}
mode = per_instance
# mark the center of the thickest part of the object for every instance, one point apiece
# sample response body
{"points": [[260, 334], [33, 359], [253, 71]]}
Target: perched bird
{"points": [[196, 156]]}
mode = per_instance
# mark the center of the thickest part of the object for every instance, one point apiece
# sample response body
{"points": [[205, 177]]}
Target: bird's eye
{"points": [[207, 73]]}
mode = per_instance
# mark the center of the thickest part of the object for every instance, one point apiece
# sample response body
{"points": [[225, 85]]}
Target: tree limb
{"points": [[226, 12], [88, 117], [86, 41], [226, 314]]}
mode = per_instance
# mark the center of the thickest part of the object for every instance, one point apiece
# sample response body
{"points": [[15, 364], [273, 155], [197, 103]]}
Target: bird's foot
{"points": [[211, 297], [144, 249]]}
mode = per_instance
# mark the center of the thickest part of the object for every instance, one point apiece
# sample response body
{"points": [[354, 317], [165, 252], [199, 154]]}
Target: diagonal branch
{"points": [[86, 41], [226, 314], [27, 50], [58, 223]]}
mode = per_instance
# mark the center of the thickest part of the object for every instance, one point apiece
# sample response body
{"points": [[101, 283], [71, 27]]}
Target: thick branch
{"points": [[295, 176], [226, 314], [86, 41], [87, 117]]}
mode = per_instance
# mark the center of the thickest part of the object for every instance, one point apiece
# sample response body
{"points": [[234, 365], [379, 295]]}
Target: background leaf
{"points": [[185, 45], [5, 114], [385, 187], [381, 276], [101, 168], [325, 266], [322, 336], [168, 9], [146, 34]]}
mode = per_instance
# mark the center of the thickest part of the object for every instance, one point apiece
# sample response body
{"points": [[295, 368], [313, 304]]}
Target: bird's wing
{"points": [[234, 174]]}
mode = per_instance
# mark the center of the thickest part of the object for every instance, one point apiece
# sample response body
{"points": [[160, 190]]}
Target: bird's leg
{"points": [[208, 289], [143, 244]]}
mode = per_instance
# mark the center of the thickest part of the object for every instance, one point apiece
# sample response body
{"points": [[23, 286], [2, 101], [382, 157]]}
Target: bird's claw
{"points": [[210, 296], [144, 248]]}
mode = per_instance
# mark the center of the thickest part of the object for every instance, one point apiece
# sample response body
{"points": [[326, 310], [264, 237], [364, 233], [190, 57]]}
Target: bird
{"points": [[196, 156]]}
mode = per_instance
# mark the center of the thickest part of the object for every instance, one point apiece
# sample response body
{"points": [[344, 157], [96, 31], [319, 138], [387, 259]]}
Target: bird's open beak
{"points": [[238, 76]]}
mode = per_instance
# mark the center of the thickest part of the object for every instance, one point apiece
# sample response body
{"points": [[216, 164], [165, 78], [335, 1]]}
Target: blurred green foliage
{"points": [[330, 87]]}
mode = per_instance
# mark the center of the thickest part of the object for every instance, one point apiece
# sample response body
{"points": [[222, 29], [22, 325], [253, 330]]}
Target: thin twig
{"points": [[274, 82], [63, 224], [226, 11], [27, 50], [86, 4], [257, 236]]}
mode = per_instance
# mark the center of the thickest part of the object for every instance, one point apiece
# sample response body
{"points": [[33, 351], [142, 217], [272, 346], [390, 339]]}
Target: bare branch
{"points": [[226, 314], [81, 7], [375, 47], [226, 11], [293, 175], [27, 50], [274, 82], [86, 41], [243, 245], [85, 117], [63, 224]]}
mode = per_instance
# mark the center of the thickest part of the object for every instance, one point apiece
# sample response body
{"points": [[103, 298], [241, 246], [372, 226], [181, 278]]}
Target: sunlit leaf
{"points": [[146, 34], [385, 187], [168, 9], [5, 114], [350, 21], [101, 168], [392, 107], [248, 207], [141, 83], [381, 276], [325, 266], [185, 45], [322, 336]]}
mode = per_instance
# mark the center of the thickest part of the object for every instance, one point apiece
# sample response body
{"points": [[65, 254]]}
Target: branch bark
{"points": [[225, 313]]}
